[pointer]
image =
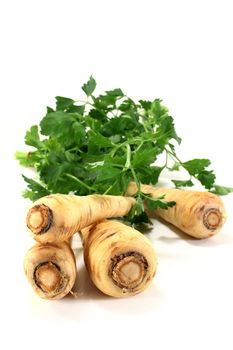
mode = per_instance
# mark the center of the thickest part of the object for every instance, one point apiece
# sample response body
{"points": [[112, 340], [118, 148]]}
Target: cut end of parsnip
{"points": [[213, 219], [39, 219], [48, 278], [129, 270]]}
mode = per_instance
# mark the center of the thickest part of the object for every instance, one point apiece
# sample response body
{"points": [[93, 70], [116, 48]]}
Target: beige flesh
{"points": [[129, 270], [39, 219], [48, 278], [212, 218]]}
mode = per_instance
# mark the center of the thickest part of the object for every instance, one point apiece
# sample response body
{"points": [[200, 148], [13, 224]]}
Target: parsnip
{"points": [[120, 260], [199, 214], [57, 217], [50, 269]]}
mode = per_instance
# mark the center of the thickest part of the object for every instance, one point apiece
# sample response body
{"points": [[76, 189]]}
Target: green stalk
{"points": [[80, 182]]}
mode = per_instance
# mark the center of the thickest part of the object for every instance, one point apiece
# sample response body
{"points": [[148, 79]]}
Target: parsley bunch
{"points": [[101, 144]]}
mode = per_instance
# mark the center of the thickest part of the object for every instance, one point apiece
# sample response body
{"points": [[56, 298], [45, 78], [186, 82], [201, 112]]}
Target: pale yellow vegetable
{"points": [[57, 217], [120, 260], [199, 214], [50, 269]]}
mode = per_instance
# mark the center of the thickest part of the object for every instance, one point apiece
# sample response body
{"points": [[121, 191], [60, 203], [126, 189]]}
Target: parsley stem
{"points": [[128, 157], [174, 156], [80, 182], [166, 160], [143, 124], [88, 103], [136, 180], [129, 166], [85, 102], [134, 141], [110, 187], [118, 165], [138, 148]]}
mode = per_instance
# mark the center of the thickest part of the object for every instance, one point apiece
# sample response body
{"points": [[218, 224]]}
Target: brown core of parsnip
{"points": [[128, 270], [212, 218], [39, 219], [48, 277]]}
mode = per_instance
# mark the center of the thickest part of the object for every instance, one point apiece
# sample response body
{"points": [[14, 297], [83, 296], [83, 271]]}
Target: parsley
{"points": [[89, 87], [101, 144]]}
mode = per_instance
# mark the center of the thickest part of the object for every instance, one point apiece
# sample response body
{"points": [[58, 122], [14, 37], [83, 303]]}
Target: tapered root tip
{"points": [[39, 219], [48, 278], [213, 219], [128, 270]]}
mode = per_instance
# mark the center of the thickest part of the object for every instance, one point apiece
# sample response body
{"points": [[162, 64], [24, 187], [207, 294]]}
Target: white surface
{"points": [[180, 51]]}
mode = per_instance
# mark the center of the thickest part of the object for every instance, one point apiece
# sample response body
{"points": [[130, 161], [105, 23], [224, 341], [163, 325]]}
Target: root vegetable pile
{"points": [[99, 158], [120, 260]]}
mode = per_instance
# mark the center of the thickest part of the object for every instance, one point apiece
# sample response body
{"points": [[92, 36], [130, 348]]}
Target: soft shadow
{"points": [[218, 239], [134, 305], [178, 232], [85, 288], [64, 309]]}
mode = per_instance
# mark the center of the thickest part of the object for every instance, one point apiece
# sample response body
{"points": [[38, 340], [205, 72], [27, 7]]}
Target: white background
{"points": [[180, 51]]}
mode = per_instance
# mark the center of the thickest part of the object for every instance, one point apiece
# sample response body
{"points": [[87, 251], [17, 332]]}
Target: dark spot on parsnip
{"points": [[110, 235]]}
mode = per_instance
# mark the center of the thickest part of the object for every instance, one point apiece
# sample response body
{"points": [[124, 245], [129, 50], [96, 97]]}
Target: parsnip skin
{"points": [[50, 269], [199, 214], [57, 217], [121, 261]]}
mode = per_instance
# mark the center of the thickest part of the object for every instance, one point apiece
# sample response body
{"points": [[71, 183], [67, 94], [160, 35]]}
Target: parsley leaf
{"points": [[63, 103], [144, 156], [32, 137], [155, 203], [35, 189], [115, 93], [89, 87], [196, 166], [206, 178], [100, 145], [222, 190], [183, 183], [63, 126]]}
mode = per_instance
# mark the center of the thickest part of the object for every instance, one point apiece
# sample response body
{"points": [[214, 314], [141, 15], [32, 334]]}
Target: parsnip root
{"points": [[50, 269], [120, 260], [57, 217], [199, 214]]}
